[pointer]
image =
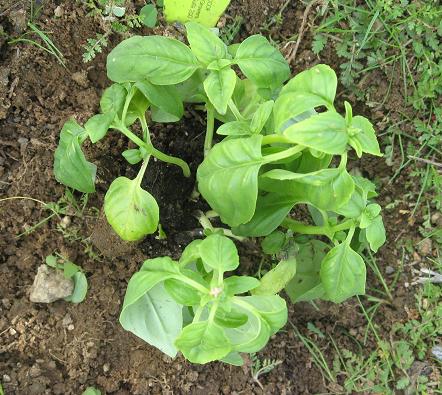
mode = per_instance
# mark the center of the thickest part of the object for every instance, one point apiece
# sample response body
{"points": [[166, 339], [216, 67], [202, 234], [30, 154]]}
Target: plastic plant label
{"points": [[206, 12]]}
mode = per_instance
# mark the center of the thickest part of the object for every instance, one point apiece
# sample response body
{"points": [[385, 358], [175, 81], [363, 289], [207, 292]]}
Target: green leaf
{"points": [[375, 233], [202, 342], [151, 314], [131, 211], [320, 81], [70, 165], [91, 391], [355, 206], [364, 137], [98, 125], [325, 132], [219, 64], [205, 44], [272, 308], [182, 293], [343, 273], [306, 282], [276, 279], [69, 269], [113, 99], [252, 336], [228, 178], [261, 116], [271, 209], [231, 318], [273, 243], [149, 15], [219, 86], [137, 108], [80, 288], [191, 253], [262, 63], [161, 60], [234, 359], [369, 214], [219, 253], [133, 156], [235, 285], [235, 128], [165, 97], [51, 261]]}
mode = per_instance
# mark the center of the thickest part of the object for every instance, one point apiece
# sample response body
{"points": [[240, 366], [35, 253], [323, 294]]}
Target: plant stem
{"points": [[193, 284], [235, 111], [283, 154], [142, 170], [326, 230], [146, 134], [274, 138], [126, 104], [209, 129]]}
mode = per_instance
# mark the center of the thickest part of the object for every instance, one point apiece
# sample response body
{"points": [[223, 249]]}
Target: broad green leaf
{"points": [[51, 261], [363, 137], [219, 86], [272, 308], [165, 97], [252, 336], [137, 108], [326, 189], [375, 233], [306, 282], [149, 15], [369, 214], [325, 132], [235, 128], [112, 100], [355, 206], [133, 156], [261, 116], [342, 273], [273, 243], [69, 269], [205, 44], [201, 342], [262, 63], [271, 209], [91, 391], [161, 60], [80, 288], [182, 293], [235, 285], [191, 253], [70, 165], [367, 187], [293, 106], [234, 359], [98, 125], [206, 13], [277, 278], [231, 318], [131, 211], [219, 253], [308, 163], [320, 81], [228, 178], [219, 64], [151, 314]]}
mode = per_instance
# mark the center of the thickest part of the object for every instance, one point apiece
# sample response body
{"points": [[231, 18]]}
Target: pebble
{"points": [[50, 285], [437, 352], [425, 246], [67, 320], [6, 303], [436, 219], [6, 378], [389, 269], [12, 331], [106, 368], [71, 327], [58, 12]]}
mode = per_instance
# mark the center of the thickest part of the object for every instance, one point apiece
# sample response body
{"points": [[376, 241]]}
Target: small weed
{"points": [[260, 367]]}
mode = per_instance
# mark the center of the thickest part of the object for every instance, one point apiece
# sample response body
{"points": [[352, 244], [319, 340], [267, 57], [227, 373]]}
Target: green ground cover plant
{"points": [[283, 144]]}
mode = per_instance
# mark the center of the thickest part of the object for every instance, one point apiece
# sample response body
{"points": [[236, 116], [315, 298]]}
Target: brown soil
{"points": [[38, 353]]}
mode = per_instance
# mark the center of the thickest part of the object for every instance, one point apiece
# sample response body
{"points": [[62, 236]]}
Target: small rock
{"points": [[6, 303], [80, 77], [436, 219], [58, 12], [50, 285], [65, 222], [67, 320], [106, 368], [436, 351], [18, 19], [71, 327], [424, 247], [6, 378], [35, 371], [389, 269], [12, 331]]}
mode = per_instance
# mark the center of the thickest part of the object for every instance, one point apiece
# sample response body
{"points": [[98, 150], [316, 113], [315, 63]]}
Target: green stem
{"points": [[193, 284], [126, 104], [274, 138], [213, 311], [146, 134], [210, 128], [142, 170], [283, 154], [329, 231], [235, 111]]}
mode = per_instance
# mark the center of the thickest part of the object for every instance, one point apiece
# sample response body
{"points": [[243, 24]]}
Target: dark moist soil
{"points": [[62, 348]]}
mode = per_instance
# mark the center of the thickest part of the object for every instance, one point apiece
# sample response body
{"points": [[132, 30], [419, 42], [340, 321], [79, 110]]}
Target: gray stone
{"points": [[50, 285]]}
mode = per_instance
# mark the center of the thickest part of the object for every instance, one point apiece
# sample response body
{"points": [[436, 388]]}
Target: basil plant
{"points": [[192, 307]]}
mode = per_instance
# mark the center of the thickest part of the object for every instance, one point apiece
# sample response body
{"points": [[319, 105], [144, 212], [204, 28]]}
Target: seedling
{"points": [[70, 270], [259, 367], [190, 306]]}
